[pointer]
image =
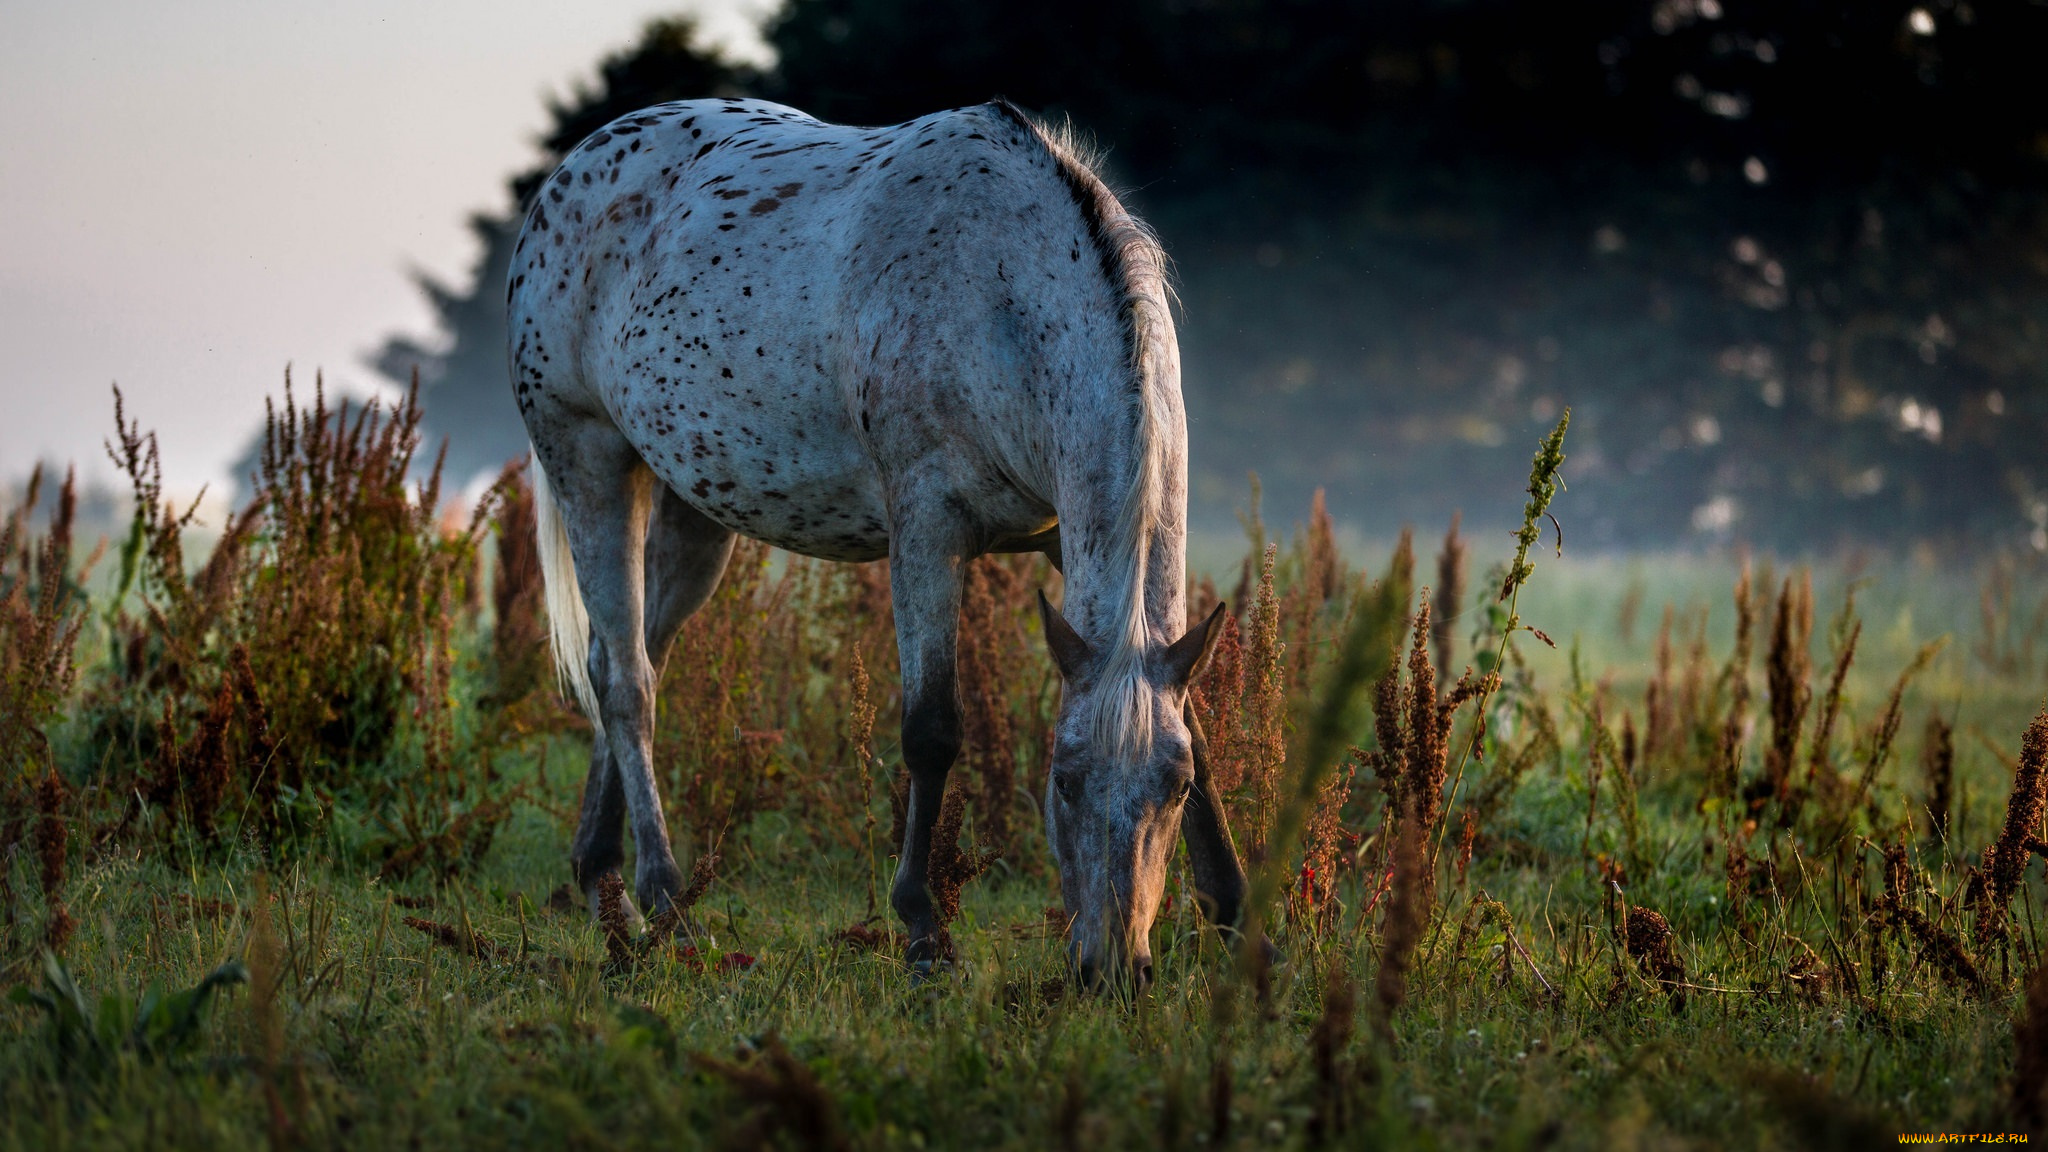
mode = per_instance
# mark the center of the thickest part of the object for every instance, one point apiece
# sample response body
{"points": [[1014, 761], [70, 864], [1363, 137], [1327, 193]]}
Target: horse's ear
{"points": [[1069, 651], [1186, 655]]}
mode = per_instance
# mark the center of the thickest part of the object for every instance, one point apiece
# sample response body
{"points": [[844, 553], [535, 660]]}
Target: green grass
{"points": [[388, 1039], [356, 1030]]}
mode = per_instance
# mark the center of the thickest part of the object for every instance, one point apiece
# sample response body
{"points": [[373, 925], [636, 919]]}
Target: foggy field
{"points": [[1691, 894]]}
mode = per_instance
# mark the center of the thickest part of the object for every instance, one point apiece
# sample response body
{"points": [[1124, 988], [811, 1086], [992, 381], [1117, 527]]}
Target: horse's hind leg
{"points": [[604, 494], [686, 554]]}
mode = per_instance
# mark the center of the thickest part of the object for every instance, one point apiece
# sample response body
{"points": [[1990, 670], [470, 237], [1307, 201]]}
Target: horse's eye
{"points": [[1187, 789], [1063, 783]]}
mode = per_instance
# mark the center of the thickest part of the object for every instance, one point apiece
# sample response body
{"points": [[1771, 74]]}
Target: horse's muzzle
{"points": [[1130, 979]]}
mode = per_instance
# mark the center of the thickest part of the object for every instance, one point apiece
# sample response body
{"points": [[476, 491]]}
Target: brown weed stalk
{"points": [[1659, 727], [672, 919], [1450, 594], [456, 939], [1883, 732], [53, 846], [950, 867], [1899, 907], [860, 740], [1938, 766], [1733, 687], [1407, 916], [991, 651], [1821, 777], [1239, 698], [612, 920], [519, 653], [41, 613], [1787, 671], [1647, 938], [1322, 561], [1413, 726], [2005, 861], [719, 725], [1596, 755]]}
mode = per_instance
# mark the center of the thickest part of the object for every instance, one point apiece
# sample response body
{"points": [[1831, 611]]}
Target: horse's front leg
{"points": [[1219, 875], [925, 566]]}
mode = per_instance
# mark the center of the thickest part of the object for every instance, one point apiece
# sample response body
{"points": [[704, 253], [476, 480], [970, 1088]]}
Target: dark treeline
{"points": [[1787, 262]]}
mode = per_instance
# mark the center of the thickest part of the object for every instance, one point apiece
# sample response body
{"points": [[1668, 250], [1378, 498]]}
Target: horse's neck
{"points": [[1099, 561]]}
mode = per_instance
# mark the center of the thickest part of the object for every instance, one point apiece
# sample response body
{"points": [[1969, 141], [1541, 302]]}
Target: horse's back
{"points": [[793, 321]]}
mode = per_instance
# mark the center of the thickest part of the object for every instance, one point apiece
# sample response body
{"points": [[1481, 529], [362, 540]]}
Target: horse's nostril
{"points": [[1142, 974]]}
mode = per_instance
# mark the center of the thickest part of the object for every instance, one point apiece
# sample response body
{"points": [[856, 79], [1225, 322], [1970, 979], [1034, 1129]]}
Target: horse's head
{"points": [[1113, 805]]}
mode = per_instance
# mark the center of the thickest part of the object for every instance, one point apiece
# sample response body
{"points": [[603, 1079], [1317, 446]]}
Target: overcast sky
{"points": [[194, 195]]}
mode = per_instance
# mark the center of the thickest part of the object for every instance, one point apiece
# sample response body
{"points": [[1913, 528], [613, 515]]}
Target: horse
{"points": [[924, 342]]}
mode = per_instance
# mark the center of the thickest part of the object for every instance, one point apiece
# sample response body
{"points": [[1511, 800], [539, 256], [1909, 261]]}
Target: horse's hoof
{"points": [[657, 885], [924, 972], [634, 922]]}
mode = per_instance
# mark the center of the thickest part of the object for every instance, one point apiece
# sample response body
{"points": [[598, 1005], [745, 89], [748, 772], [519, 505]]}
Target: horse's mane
{"points": [[1136, 268]]}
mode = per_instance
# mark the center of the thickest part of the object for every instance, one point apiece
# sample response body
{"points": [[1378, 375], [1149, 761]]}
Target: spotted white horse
{"points": [[926, 342]]}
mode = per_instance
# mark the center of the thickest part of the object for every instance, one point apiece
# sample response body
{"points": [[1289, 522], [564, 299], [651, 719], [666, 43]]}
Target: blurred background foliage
{"points": [[1787, 262]]}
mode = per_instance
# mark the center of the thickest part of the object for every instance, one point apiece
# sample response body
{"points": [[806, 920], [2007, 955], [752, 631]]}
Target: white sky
{"points": [[194, 195]]}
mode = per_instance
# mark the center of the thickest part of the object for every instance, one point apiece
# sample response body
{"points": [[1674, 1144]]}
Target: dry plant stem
{"points": [[1406, 913], [1361, 658], [1937, 758], [1542, 486], [2006, 860], [1881, 744], [1450, 594], [863, 737], [1831, 704], [1509, 931]]}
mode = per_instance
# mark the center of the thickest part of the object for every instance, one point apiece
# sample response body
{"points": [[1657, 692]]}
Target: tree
{"points": [[1788, 262]]}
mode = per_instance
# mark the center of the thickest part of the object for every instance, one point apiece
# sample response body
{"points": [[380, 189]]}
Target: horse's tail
{"points": [[568, 622]]}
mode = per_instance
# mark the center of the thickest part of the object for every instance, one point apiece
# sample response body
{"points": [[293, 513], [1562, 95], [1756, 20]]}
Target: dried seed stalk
{"points": [[2006, 860]]}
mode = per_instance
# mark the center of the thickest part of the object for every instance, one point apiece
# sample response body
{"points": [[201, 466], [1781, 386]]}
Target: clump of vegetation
{"points": [[88, 1039], [304, 673], [42, 611]]}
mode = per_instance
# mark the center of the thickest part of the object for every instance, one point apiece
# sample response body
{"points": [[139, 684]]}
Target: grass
{"points": [[1803, 989], [388, 1037]]}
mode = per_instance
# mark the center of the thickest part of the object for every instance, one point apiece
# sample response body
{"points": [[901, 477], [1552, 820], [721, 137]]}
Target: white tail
{"points": [[568, 622]]}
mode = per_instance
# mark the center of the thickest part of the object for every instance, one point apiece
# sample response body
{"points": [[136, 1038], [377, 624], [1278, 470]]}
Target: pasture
{"points": [[1750, 870]]}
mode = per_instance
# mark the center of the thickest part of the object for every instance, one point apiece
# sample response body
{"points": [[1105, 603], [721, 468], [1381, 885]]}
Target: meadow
{"points": [[1702, 851]]}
